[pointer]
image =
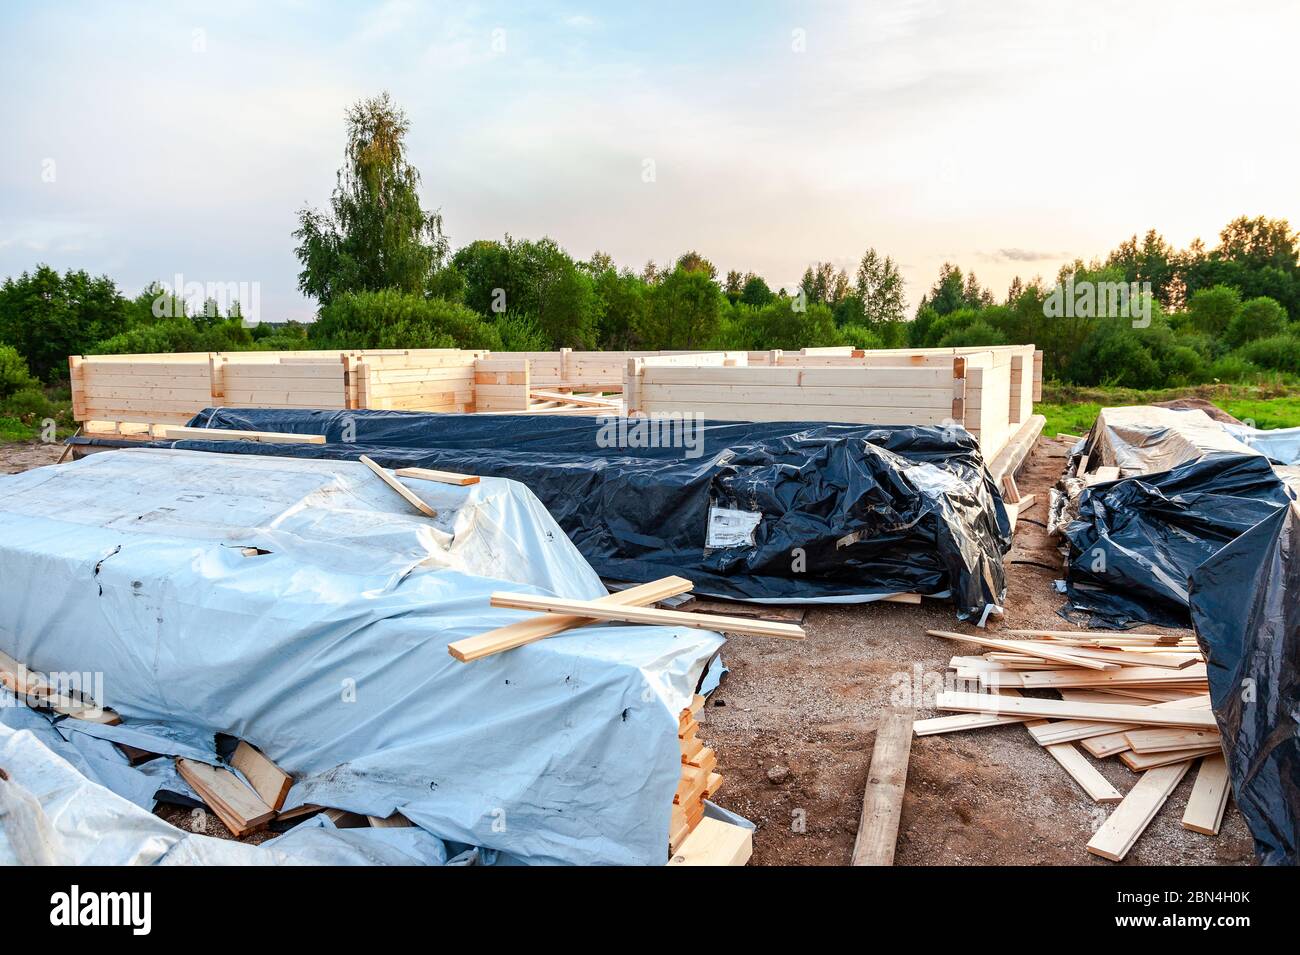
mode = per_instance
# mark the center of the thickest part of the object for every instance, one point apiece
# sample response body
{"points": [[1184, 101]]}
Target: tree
{"points": [[732, 288], [375, 236], [880, 288], [1259, 318], [684, 311], [694, 262], [756, 292], [1211, 310], [821, 285], [47, 316], [948, 293]]}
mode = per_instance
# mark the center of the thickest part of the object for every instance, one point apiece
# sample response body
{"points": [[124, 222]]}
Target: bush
{"points": [[520, 333], [1234, 368], [1279, 352], [976, 333], [28, 405], [393, 319], [1259, 318], [13, 372]]}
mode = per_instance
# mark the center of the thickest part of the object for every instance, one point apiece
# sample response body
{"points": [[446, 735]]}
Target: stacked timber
{"points": [[1141, 699], [699, 780]]}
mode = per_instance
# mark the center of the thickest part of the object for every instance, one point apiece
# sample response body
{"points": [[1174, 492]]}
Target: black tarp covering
{"points": [[1137, 540], [848, 511], [1245, 605]]}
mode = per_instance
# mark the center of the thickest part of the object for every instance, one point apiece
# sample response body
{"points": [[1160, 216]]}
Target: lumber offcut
{"points": [[1209, 796], [539, 628], [667, 618], [238, 807], [714, 842], [405, 492], [882, 801], [268, 780]]}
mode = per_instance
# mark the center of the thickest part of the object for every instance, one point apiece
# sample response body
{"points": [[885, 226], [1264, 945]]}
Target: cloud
{"points": [[1022, 255]]}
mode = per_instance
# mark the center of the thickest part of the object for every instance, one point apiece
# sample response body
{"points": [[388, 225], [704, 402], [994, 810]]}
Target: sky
{"points": [[145, 141]]}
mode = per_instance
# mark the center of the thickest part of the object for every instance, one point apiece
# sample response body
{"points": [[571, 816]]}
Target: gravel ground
{"points": [[978, 797]]}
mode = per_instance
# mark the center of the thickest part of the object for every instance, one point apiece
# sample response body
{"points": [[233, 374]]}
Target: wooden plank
{"points": [[442, 477], [1060, 656], [646, 615], [1158, 676], [180, 433], [1165, 739], [237, 806], [395, 821], [1067, 710], [1131, 817], [539, 628], [1107, 745], [400, 488], [268, 780], [1140, 762], [1084, 773], [716, 843], [963, 721], [1209, 797], [882, 800]]}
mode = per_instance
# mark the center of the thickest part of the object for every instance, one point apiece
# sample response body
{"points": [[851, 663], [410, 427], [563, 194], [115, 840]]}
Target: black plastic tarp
{"points": [[843, 512], [1136, 541], [1245, 605]]}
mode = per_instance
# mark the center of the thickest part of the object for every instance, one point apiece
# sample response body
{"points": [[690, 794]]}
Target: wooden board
{"points": [[442, 477], [632, 614], [1209, 797], [1059, 656], [1067, 710], [179, 433], [400, 488], [882, 800], [1084, 773], [268, 780], [714, 842], [238, 807], [1141, 762], [963, 721], [1131, 817], [530, 631], [1166, 739]]}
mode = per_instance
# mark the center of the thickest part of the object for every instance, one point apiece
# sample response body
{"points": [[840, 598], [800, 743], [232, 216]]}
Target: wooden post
{"points": [[882, 802]]}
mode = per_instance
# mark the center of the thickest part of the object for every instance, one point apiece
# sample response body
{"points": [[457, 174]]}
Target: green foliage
{"points": [[1211, 310], [393, 319], [684, 311], [47, 316], [1278, 352], [520, 333], [756, 292], [375, 236], [1259, 318], [14, 375]]}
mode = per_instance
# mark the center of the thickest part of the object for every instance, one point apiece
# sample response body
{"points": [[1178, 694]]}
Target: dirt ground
{"points": [[973, 798], [28, 454], [979, 797]]}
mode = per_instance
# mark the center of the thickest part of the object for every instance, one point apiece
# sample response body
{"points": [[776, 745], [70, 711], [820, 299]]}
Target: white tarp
{"points": [[329, 650]]}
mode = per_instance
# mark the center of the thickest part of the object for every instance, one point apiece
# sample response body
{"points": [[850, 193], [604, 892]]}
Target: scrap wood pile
{"points": [[1140, 698]]}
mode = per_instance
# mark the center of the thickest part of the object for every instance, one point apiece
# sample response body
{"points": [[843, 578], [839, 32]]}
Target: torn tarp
{"points": [[305, 607], [776, 511], [1136, 541], [1246, 610]]}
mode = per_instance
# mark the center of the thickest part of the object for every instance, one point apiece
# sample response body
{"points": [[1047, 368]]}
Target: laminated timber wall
{"points": [[989, 391]]}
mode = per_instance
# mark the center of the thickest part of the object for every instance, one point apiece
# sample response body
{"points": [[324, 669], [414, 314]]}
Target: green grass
{"points": [[1072, 410]]}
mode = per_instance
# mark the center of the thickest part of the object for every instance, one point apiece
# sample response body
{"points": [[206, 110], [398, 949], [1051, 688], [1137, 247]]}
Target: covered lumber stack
{"points": [[1141, 699]]}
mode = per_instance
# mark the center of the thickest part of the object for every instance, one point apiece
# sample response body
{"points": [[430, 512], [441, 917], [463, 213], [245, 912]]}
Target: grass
{"points": [[1072, 410]]}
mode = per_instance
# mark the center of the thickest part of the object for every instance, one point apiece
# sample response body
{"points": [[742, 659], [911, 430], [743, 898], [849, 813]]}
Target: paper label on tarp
{"points": [[729, 527]]}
